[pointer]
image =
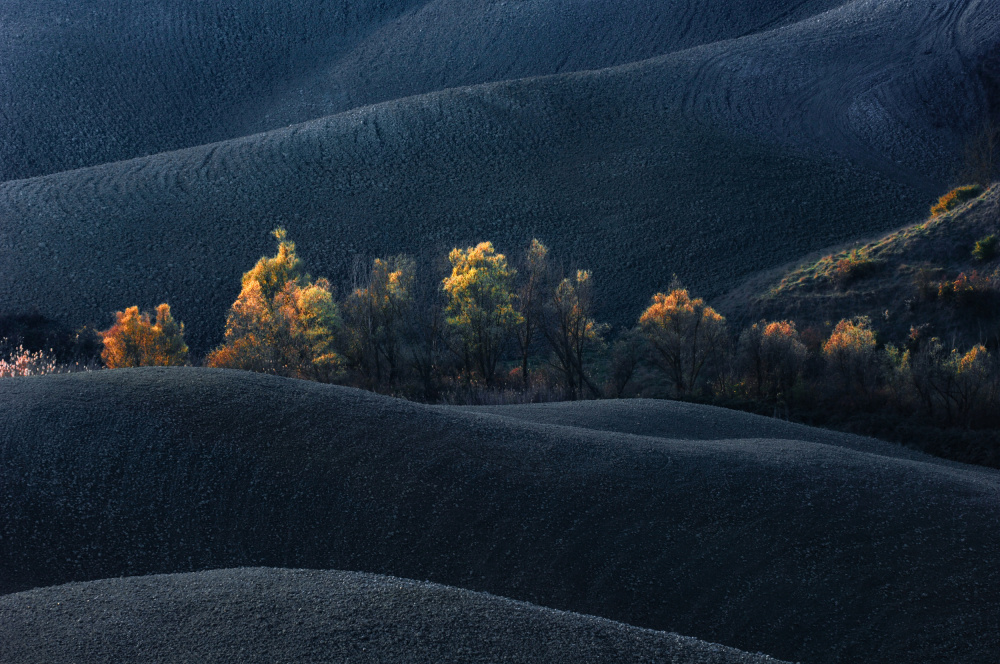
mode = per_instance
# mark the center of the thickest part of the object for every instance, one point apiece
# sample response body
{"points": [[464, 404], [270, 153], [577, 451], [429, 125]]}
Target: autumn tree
{"points": [[571, 330], [480, 307], [770, 357], [137, 341], [282, 322], [683, 334], [375, 314], [530, 301], [852, 358]]}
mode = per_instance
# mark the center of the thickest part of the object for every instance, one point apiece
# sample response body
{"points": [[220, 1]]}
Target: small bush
{"points": [[985, 249], [956, 197], [855, 265], [970, 291]]}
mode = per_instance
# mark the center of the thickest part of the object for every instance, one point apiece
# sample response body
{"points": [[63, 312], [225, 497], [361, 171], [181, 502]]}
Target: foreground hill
{"points": [[812, 551], [278, 615]]}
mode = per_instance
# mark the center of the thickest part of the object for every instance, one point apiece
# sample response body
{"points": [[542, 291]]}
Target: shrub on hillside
{"points": [[855, 265], [282, 322], [137, 341], [985, 249], [972, 291], [955, 197]]}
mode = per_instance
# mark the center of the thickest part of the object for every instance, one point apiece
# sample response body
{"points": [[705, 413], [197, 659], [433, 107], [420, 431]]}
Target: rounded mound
{"points": [[280, 615], [802, 550]]}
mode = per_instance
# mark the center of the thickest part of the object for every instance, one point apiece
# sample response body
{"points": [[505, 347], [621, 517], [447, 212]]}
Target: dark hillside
{"points": [[803, 550], [298, 616], [88, 83]]}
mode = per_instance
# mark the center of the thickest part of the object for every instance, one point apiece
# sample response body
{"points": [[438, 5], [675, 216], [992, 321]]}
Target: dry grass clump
{"points": [[18, 361]]}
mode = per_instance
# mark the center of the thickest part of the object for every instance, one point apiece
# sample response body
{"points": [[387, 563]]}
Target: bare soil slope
{"points": [[84, 84], [280, 615], [802, 550]]}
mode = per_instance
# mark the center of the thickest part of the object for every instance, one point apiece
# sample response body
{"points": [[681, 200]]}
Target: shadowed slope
{"points": [[802, 550], [678, 419], [276, 615], [82, 84]]}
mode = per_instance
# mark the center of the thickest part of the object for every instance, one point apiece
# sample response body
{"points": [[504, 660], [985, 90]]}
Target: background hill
{"points": [[790, 132], [85, 84], [279, 615], [840, 549]]}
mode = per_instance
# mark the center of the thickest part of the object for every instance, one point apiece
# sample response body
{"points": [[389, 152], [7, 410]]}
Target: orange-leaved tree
{"points": [[684, 334], [771, 357], [136, 341], [852, 358], [282, 322]]}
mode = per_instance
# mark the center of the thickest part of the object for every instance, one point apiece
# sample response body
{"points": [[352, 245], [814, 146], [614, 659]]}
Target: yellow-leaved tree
{"points": [[684, 334], [282, 322], [480, 306], [136, 341]]}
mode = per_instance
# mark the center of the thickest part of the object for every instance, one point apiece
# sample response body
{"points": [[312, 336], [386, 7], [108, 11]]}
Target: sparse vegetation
{"points": [[17, 361], [855, 265]]}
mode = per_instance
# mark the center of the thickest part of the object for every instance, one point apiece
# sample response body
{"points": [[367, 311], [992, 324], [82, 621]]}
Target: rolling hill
{"points": [[278, 615], [789, 132], [85, 84], [806, 545]]}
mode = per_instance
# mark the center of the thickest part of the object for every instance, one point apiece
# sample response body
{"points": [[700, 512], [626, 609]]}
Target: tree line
{"points": [[499, 330]]}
